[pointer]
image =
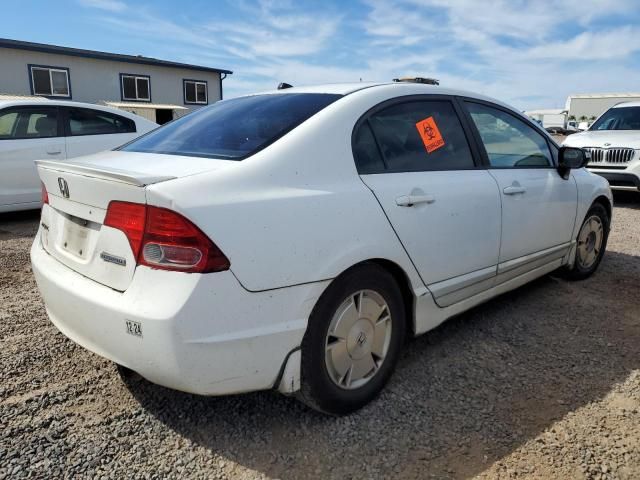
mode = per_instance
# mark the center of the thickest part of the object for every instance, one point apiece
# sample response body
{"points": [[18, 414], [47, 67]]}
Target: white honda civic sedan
{"points": [[37, 129], [293, 240]]}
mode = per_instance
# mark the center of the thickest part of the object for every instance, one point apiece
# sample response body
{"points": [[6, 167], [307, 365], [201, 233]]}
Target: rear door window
{"points": [[420, 136], [233, 129], [29, 122], [86, 121]]}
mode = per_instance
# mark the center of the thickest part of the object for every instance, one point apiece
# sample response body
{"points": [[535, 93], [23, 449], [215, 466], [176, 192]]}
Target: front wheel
{"points": [[591, 243], [353, 341]]}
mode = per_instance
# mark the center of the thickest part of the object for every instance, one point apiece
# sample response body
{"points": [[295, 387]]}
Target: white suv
{"points": [[614, 143], [43, 129]]}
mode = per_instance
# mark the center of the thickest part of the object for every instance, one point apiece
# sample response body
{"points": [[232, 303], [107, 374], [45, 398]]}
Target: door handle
{"points": [[514, 190], [411, 200], [54, 152]]}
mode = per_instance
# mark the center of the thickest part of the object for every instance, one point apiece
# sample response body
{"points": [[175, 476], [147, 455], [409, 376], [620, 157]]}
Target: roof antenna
{"points": [[284, 85]]}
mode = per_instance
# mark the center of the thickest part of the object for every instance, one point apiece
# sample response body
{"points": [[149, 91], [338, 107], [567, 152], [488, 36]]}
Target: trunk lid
{"points": [[79, 195]]}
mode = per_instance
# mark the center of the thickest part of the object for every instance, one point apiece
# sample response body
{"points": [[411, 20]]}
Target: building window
{"points": [[50, 81], [195, 92], [136, 87]]}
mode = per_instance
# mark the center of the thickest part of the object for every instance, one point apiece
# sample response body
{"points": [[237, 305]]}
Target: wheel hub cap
{"points": [[590, 241], [358, 339]]}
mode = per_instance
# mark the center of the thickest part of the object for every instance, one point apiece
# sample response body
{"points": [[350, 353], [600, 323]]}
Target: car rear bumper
{"points": [[620, 180], [201, 334]]}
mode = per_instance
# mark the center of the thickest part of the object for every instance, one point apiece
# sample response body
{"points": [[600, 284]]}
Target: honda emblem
{"points": [[64, 187]]}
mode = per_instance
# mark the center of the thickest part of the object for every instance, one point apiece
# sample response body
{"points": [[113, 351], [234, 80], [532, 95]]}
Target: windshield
{"points": [[233, 129], [621, 118]]}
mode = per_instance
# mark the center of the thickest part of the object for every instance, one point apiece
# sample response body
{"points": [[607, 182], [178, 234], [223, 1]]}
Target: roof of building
{"points": [[546, 111], [116, 57], [11, 97], [143, 105], [30, 101], [606, 95]]}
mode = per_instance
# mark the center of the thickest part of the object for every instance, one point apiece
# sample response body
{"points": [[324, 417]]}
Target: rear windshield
{"points": [[621, 118], [233, 129]]}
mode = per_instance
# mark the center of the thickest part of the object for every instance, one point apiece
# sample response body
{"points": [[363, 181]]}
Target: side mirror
{"points": [[570, 158]]}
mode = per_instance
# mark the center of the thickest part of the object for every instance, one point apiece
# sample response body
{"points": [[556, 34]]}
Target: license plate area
{"points": [[76, 236]]}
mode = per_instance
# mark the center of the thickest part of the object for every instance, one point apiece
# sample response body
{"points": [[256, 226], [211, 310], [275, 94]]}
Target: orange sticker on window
{"points": [[430, 134]]}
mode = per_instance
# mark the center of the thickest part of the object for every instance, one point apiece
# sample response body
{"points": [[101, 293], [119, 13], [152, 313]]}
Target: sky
{"points": [[531, 54]]}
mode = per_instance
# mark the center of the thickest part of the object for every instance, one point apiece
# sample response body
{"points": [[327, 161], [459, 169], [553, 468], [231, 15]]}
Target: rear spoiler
{"points": [[105, 173]]}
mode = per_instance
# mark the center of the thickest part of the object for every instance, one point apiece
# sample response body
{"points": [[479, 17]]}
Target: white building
{"points": [[594, 104], [549, 117], [158, 90]]}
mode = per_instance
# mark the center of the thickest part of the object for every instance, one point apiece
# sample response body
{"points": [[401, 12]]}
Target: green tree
{"points": [[572, 117]]}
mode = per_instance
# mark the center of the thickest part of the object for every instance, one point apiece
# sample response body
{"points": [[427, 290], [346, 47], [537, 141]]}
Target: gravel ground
{"points": [[543, 382]]}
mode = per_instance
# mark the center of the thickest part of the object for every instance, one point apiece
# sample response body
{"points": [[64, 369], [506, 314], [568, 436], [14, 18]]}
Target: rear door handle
{"points": [[411, 200], [54, 152], [514, 190]]}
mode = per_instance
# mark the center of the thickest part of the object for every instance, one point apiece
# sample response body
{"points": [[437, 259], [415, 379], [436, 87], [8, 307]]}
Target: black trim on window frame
{"points": [[30, 66], [473, 148], [552, 145], [184, 91], [135, 75], [60, 130], [63, 113]]}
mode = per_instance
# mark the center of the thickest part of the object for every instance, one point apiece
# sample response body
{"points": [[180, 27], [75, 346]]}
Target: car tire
{"points": [[591, 243], [358, 323]]}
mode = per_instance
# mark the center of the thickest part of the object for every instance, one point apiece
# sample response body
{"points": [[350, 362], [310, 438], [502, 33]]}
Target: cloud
{"points": [[109, 5], [602, 45], [281, 37], [529, 53], [525, 52]]}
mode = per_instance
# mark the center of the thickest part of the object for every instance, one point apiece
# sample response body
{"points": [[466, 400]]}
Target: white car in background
{"points": [[614, 143], [293, 240], [56, 130]]}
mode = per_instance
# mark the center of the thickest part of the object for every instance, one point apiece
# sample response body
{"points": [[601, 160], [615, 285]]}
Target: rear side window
{"points": [[233, 129], [509, 142], [30, 122], [85, 121], [366, 152], [421, 136]]}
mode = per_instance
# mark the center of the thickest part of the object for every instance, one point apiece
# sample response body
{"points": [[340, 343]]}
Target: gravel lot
{"points": [[543, 382]]}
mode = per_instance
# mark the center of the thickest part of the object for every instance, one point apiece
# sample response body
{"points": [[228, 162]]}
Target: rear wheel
{"points": [[591, 243], [353, 340]]}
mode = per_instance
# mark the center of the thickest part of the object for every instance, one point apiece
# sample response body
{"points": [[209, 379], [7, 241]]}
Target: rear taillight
{"points": [[44, 195], [161, 238], [130, 218]]}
